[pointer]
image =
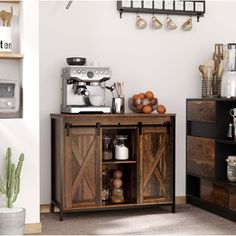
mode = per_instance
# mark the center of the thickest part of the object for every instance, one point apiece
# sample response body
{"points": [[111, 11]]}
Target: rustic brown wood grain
{"points": [[114, 119], [80, 166], [232, 198], [154, 171], [79, 152], [221, 196], [200, 156], [201, 111], [206, 190]]}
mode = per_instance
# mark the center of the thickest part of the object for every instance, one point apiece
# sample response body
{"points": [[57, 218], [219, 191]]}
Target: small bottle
{"points": [[230, 131], [105, 187]]}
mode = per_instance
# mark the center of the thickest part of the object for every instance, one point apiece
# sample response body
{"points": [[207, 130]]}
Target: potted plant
{"points": [[12, 219]]}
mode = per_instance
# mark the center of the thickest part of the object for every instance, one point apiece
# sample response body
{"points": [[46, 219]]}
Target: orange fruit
{"points": [[134, 100], [135, 97], [147, 109], [153, 102], [139, 107], [141, 95], [149, 95], [161, 109]]}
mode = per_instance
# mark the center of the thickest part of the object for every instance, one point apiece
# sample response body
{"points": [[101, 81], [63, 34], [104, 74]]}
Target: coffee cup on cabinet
{"points": [[232, 112]]}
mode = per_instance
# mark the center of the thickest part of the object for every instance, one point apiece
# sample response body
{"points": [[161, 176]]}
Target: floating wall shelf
{"points": [[14, 56], [9, 1], [185, 8]]}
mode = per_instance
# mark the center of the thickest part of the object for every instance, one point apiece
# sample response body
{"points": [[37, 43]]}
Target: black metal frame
{"points": [[192, 198], [173, 11]]}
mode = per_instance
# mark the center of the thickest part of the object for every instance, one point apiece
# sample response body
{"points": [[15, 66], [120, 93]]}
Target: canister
{"points": [[107, 147], [231, 168], [121, 149]]}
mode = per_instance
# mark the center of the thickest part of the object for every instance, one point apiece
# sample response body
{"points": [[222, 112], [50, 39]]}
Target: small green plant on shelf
{"points": [[11, 187]]}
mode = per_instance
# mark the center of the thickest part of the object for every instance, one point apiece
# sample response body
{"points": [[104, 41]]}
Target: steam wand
{"points": [[111, 88]]}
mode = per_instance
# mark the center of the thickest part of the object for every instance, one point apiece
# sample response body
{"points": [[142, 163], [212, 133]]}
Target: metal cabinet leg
{"points": [[61, 215], [173, 208]]}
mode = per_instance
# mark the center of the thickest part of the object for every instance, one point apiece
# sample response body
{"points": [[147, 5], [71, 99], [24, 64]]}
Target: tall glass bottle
{"points": [[228, 83]]}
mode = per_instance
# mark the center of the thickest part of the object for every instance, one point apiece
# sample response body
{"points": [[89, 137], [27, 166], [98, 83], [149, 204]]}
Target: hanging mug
{"points": [[156, 24], [170, 24], [187, 26], [140, 22]]}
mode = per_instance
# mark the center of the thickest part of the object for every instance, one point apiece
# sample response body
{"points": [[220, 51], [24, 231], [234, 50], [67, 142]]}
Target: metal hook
{"points": [[68, 4]]}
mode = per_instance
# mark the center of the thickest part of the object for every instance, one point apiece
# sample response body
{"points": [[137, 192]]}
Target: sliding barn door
{"points": [[81, 182], [156, 165]]}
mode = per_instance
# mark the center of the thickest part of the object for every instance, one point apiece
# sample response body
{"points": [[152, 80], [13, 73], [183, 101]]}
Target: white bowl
{"points": [[97, 100]]}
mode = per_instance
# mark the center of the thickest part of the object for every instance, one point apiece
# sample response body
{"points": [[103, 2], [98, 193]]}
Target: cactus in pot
{"points": [[12, 186]]}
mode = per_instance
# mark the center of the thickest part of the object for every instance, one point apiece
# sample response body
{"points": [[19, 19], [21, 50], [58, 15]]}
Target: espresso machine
{"points": [[83, 89]]}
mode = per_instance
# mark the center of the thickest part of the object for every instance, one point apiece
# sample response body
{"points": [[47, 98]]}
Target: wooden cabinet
{"points": [[207, 148], [78, 166]]}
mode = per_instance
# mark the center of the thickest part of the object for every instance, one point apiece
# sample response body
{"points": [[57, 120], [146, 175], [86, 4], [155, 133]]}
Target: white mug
{"points": [[232, 112]]}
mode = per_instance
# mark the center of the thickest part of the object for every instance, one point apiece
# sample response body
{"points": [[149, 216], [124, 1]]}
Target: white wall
{"points": [[23, 134], [162, 61]]}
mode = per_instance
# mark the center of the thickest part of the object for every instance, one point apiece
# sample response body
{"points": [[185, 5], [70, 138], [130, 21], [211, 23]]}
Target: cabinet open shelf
{"points": [[13, 56], [226, 141], [118, 162]]}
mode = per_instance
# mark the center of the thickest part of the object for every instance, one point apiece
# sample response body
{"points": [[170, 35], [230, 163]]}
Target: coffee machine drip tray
{"points": [[85, 109]]}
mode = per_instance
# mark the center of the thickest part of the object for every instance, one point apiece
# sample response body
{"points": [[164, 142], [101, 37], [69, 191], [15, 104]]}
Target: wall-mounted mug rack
{"points": [[185, 8]]}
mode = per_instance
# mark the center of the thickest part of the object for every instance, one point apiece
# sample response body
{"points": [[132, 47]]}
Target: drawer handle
{"points": [[199, 145]]}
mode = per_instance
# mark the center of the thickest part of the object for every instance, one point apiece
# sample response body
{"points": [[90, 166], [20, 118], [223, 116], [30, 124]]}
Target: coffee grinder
{"points": [[83, 89]]}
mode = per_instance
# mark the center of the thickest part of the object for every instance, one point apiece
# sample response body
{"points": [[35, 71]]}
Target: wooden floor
{"points": [[188, 220]]}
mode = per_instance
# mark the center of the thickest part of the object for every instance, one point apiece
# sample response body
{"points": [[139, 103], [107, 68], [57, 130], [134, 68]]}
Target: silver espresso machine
{"points": [[83, 89]]}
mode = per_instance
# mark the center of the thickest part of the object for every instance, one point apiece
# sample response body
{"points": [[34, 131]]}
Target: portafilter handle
{"points": [[85, 92], [81, 90]]}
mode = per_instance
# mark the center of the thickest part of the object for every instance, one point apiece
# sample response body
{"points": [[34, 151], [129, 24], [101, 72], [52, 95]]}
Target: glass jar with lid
{"points": [[107, 147], [121, 149]]}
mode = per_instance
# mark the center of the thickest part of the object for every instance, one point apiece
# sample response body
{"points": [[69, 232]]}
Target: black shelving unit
{"points": [[207, 148]]}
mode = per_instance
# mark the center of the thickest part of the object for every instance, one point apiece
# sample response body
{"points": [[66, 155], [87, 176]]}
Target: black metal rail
{"points": [[163, 10]]}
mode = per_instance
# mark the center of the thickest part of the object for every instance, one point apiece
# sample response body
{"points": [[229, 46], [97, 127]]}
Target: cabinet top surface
{"points": [[212, 99], [113, 115]]}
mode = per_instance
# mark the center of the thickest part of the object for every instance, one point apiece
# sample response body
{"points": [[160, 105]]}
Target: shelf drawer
{"points": [[232, 198], [200, 156], [201, 111], [206, 190], [221, 195], [215, 193]]}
